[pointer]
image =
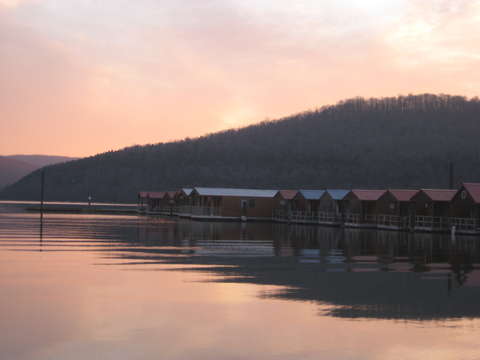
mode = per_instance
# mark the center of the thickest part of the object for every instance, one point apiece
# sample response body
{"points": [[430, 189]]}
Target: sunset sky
{"points": [[79, 77]]}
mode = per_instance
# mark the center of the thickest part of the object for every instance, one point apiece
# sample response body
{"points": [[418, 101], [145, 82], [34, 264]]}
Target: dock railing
{"points": [[329, 218], [359, 219], [464, 224], [394, 221], [431, 223], [352, 218], [280, 215]]}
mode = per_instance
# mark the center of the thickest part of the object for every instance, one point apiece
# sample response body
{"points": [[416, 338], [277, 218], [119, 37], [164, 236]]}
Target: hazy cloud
{"points": [[91, 75]]}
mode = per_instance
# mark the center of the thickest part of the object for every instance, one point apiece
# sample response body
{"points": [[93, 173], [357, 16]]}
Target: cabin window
{"points": [[392, 206], [251, 203], [463, 195], [243, 204]]}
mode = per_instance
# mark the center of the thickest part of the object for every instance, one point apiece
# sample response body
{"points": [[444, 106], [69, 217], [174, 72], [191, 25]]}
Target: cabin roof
{"points": [[338, 194], [156, 194], [403, 194], [368, 195], [187, 191], [439, 194], [474, 191], [312, 194], [204, 191], [288, 194]]}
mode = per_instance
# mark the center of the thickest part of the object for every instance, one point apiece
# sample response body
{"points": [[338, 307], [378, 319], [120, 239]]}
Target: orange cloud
{"points": [[82, 78]]}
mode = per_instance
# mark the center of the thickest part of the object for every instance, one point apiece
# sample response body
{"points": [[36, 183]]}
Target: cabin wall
{"points": [[388, 205], [463, 206], [301, 204], [328, 205], [369, 208], [182, 200], [441, 209], [423, 205], [279, 203], [231, 206], [352, 205], [309, 206]]}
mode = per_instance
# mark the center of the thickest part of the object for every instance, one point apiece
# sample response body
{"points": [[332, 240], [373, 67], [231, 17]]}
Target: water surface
{"points": [[128, 287]]}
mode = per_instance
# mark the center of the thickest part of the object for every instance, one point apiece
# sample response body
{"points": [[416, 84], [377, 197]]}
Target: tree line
{"points": [[404, 141]]}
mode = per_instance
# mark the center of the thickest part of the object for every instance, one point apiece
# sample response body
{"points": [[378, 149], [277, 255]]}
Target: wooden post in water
{"points": [[42, 192]]}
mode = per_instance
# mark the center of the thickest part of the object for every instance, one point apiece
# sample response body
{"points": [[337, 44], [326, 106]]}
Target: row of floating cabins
{"points": [[408, 210]]}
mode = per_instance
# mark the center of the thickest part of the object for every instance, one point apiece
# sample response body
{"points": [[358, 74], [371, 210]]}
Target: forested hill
{"points": [[389, 142]]}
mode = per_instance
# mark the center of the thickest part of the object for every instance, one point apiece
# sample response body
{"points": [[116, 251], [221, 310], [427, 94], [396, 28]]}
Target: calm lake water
{"points": [[128, 287]]}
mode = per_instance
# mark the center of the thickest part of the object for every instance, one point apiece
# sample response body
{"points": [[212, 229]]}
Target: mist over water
{"points": [[128, 287]]}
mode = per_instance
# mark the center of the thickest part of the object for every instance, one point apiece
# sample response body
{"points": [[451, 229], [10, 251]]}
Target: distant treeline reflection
{"points": [[360, 273]]}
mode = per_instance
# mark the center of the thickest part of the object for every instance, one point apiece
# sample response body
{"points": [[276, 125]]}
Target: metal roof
{"points": [[312, 194], [474, 190], [187, 191], [260, 193], [288, 194], [337, 194], [368, 195], [439, 194], [403, 195], [142, 194]]}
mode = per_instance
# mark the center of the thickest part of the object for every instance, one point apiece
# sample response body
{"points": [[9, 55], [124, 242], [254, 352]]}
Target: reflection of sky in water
{"points": [[120, 287]]}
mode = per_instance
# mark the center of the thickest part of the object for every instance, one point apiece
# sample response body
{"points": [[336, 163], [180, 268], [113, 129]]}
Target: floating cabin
{"points": [[396, 209], [427, 210], [153, 200], [360, 208], [232, 204], [331, 206], [432, 209], [284, 205], [303, 206], [465, 208], [309, 200], [183, 202], [167, 204]]}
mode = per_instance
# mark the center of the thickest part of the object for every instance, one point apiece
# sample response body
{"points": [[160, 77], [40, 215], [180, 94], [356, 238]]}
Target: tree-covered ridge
{"points": [[405, 141]]}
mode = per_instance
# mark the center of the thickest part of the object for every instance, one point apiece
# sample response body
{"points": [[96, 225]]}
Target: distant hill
{"points": [[405, 141], [14, 167], [42, 160]]}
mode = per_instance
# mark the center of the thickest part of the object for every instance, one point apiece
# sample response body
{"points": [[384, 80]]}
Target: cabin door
{"points": [[244, 204]]}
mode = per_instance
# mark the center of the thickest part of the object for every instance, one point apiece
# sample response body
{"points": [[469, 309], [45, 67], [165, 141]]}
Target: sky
{"points": [[80, 77]]}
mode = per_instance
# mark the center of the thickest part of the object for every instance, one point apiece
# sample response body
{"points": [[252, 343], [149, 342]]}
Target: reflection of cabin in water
{"points": [[234, 204], [465, 208], [432, 208], [395, 209], [360, 208]]}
